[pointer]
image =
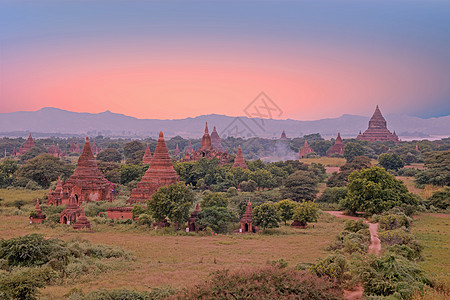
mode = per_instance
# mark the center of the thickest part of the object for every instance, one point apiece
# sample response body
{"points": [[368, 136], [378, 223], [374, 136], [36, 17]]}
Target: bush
{"points": [[155, 294], [392, 275], [439, 199], [265, 283], [393, 221], [355, 226], [334, 266], [23, 283], [333, 195]]}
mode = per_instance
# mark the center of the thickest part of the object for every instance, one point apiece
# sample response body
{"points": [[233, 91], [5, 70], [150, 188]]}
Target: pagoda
{"points": [[247, 219], [56, 197], [176, 152], [160, 173], [82, 222], [215, 140], [87, 183], [72, 147], [239, 161], [338, 147], [55, 150], [207, 149], [305, 150], [193, 219], [377, 130], [71, 213], [28, 145], [283, 136], [40, 216], [147, 156]]}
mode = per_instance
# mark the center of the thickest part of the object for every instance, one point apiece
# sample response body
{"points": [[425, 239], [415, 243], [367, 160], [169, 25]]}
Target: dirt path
{"points": [[374, 248]]}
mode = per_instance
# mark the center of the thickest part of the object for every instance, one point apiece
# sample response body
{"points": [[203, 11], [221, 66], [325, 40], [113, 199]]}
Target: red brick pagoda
{"points": [[40, 216], [82, 222], [55, 150], [71, 213], [56, 197], [337, 148], [239, 161], [247, 219], [377, 130], [216, 141], [192, 222], [147, 156], [305, 150], [160, 173], [28, 145], [283, 136]]}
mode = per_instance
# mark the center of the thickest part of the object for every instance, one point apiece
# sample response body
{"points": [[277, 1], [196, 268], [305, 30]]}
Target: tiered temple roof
{"points": [[215, 140], [160, 173], [87, 183], [40, 216], [247, 219], [338, 147], [28, 145], [239, 160], [377, 130], [305, 150], [147, 156], [55, 150], [82, 222], [206, 140]]}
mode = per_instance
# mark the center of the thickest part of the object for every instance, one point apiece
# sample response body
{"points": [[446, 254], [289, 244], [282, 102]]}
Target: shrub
{"points": [[393, 221], [439, 199], [333, 195], [266, 283], [23, 283], [392, 275], [355, 226], [334, 266]]}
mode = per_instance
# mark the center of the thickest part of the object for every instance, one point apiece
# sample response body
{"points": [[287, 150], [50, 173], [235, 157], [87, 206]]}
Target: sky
{"points": [[175, 59]]}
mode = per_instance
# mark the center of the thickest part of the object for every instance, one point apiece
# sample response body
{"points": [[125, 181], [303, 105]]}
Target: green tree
{"points": [[131, 172], [307, 211], [263, 178], [44, 169], [437, 171], [340, 179], [110, 155], [286, 208], [172, 202], [217, 218], [352, 150], [390, 161], [248, 186], [214, 199], [302, 185], [266, 215], [333, 195], [7, 169], [321, 147], [374, 191], [439, 199], [32, 153]]}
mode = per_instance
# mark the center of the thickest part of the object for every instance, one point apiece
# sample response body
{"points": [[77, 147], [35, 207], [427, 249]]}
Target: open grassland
{"points": [[433, 232], [424, 193], [181, 260], [326, 161]]}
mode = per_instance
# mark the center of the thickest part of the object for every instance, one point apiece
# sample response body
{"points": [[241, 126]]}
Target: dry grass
{"points": [[432, 230], [326, 161], [181, 261], [410, 184]]}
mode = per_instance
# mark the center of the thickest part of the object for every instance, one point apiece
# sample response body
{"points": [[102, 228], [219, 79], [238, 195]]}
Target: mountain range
{"points": [[58, 122]]}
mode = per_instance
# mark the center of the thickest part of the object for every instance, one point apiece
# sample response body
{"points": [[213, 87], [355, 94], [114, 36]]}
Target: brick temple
{"points": [[27, 146], [147, 156], [377, 130], [305, 150], [337, 148], [239, 161], [160, 173]]}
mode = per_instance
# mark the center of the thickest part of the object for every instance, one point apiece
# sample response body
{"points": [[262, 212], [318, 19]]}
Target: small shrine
{"points": [[239, 161], [305, 150], [337, 148], [192, 222], [39, 216]]}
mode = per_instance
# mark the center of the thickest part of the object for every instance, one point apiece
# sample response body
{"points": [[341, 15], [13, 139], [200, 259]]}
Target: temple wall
{"points": [[118, 214]]}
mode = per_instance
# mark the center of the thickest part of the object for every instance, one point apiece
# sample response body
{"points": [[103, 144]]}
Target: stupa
{"points": [[87, 183], [338, 147], [193, 219], [247, 219], [40, 216], [207, 149], [283, 136], [55, 150], [239, 161], [215, 140], [176, 152], [56, 197], [377, 130], [160, 173], [28, 145], [147, 156], [305, 150], [82, 222]]}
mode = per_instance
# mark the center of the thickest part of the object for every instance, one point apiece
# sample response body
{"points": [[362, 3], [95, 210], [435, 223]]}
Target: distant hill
{"points": [[58, 122]]}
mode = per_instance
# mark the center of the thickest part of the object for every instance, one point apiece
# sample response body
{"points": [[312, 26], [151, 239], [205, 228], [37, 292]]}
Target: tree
{"points": [[437, 171], [131, 172], [340, 179], [134, 151], [263, 178], [333, 195], [7, 169], [44, 169], [214, 199], [110, 155], [173, 202], [266, 215], [286, 208], [216, 217], [307, 211], [321, 147], [248, 186], [352, 150], [390, 161], [302, 185], [32, 153], [374, 191]]}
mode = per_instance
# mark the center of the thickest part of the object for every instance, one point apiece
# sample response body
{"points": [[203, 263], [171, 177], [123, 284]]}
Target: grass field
{"points": [[326, 161], [181, 261], [433, 231]]}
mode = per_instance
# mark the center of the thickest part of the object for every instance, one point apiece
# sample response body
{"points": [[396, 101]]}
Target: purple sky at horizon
{"points": [[176, 59]]}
